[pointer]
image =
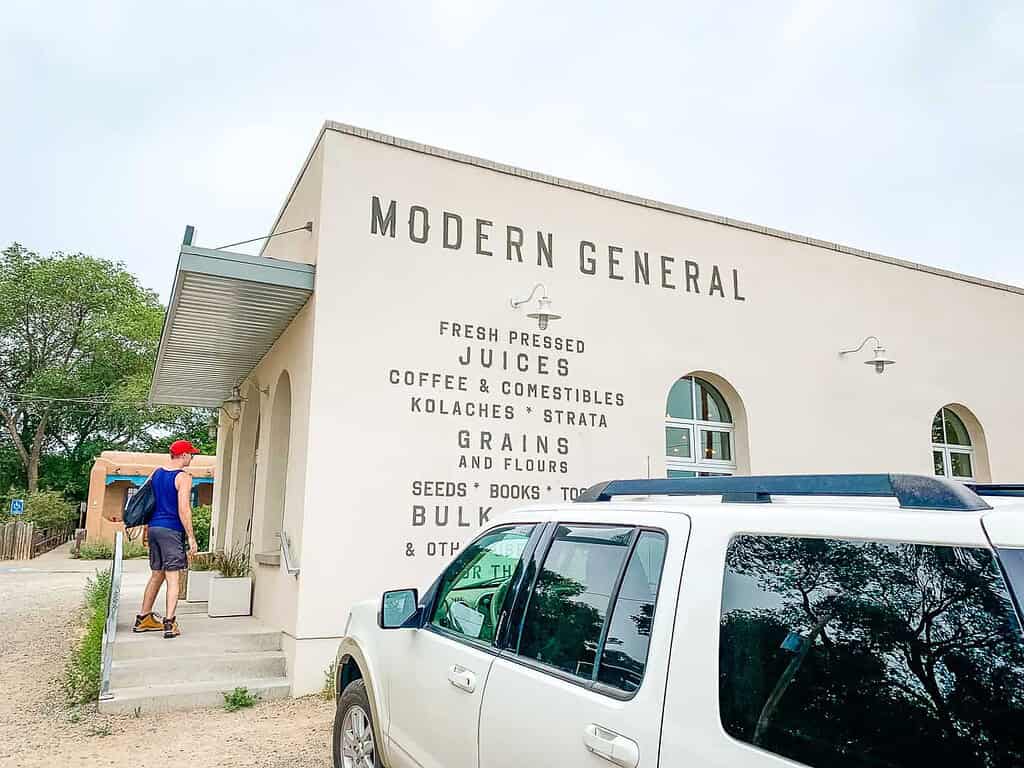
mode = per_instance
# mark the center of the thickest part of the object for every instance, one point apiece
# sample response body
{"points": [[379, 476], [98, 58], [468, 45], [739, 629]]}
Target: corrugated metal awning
{"points": [[226, 311]]}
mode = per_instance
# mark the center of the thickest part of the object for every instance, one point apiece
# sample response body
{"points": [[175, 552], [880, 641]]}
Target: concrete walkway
{"points": [[39, 604]]}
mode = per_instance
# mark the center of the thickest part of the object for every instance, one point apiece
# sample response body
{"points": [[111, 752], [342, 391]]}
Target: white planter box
{"points": [[230, 597], [199, 586]]}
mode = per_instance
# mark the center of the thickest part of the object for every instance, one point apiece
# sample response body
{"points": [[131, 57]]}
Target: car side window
{"points": [[855, 654], [474, 586], [624, 654], [566, 613]]}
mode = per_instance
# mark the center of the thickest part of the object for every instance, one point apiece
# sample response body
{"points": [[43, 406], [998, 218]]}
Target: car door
{"points": [[582, 681], [438, 672]]}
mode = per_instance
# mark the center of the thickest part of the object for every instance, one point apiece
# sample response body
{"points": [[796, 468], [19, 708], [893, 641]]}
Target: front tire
{"points": [[355, 744]]}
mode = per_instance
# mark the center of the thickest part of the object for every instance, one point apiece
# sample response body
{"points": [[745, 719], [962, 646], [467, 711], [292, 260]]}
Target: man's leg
{"points": [[156, 578], [145, 621], [173, 582]]}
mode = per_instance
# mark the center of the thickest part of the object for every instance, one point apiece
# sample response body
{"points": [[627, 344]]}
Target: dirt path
{"points": [[39, 603]]}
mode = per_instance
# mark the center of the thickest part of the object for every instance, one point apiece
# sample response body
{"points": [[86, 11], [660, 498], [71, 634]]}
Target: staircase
{"points": [[212, 656]]}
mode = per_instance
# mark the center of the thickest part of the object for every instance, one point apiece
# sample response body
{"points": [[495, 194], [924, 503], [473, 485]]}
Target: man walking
{"points": [[169, 528]]}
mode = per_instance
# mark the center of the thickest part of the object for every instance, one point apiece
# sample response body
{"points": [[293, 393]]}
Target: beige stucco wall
{"points": [[360, 447], [303, 204], [275, 593]]}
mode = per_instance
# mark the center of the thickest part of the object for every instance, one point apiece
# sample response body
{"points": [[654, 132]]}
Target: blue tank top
{"points": [[165, 515]]}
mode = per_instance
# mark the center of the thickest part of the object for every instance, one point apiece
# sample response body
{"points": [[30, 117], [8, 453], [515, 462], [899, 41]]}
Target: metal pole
{"points": [[110, 628]]}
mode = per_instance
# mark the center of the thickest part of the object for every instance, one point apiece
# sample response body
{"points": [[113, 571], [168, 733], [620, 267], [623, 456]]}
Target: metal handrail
{"points": [[286, 545], [110, 627]]}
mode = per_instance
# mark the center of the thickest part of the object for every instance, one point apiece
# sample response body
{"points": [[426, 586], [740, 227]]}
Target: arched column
{"points": [[277, 453], [244, 476], [223, 488]]}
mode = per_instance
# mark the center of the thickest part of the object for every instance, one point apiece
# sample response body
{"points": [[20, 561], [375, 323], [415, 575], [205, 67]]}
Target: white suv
{"points": [[669, 628]]}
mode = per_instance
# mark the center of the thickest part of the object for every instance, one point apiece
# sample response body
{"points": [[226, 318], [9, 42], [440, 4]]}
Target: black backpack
{"points": [[141, 505]]}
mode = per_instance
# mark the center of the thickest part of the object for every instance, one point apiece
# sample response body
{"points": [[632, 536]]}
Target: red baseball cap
{"points": [[181, 447]]}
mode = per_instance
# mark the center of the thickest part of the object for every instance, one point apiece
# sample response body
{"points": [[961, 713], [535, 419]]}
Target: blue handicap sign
{"points": [[17, 506]]}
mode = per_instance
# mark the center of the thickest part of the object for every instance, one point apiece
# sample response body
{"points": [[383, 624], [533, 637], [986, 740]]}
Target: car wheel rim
{"points": [[357, 746]]}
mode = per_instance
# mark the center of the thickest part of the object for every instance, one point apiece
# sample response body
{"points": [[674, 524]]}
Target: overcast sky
{"points": [[894, 127]]}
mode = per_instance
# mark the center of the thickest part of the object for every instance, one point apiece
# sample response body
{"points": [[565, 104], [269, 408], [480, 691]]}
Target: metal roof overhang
{"points": [[226, 311]]}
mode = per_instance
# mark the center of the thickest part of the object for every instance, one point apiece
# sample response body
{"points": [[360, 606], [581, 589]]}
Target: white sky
{"points": [[895, 127]]}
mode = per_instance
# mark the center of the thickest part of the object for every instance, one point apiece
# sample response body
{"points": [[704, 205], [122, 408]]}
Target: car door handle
{"points": [[462, 678], [611, 746]]}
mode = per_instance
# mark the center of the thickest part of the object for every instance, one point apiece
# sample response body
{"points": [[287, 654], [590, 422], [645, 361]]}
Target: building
{"points": [[390, 401], [116, 475]]}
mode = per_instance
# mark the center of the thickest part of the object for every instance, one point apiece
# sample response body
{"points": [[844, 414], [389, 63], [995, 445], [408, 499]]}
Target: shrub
{"points": [[204, 561], [47, 509], [133, 550], [239, 698], [99, 550], [234, 563], [327, 692], [82, 671], [102, 550], [201, 526]]}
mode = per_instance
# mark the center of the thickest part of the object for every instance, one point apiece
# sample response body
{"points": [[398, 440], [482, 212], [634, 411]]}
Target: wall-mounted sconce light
{"points": [[232, 407], [543, 313], [878, 359]]}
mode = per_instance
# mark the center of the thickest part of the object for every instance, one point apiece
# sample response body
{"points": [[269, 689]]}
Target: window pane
{"points": [[842, 653], [1013, 564], [939, 459], [960, 464], [681, 473], [677, 443], [569, 604], [476, 583], [710, 403], [715, 445], [629, 634], [956, 432], [937, 434], [680, 400]]}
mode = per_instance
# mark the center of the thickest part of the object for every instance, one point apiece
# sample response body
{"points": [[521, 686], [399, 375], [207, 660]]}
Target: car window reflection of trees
{"points": [[895, 654]]}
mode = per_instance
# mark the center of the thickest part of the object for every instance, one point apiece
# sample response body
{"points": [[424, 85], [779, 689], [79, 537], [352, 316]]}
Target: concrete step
{"points": [[176, 696], [190, 624], [152, 645], [223, 668], [129, 608]]}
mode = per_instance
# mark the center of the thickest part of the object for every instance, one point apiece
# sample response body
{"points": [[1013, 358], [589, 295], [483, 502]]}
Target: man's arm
{"points": [[183, 482]]}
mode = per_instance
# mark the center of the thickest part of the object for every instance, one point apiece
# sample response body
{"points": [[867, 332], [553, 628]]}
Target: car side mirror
{"points": [[399, 608]]}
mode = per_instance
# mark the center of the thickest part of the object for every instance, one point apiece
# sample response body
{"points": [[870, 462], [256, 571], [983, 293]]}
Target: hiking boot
{"points": [[147, 622], [171, 628]]}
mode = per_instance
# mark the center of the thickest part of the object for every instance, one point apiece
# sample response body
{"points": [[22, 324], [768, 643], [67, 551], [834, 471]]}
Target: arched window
{"points": [[952, 451], [698, 430]]}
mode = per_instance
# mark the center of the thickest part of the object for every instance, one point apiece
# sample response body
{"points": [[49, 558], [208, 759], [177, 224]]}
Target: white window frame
{"points": [[947, 449], [696, 462]]}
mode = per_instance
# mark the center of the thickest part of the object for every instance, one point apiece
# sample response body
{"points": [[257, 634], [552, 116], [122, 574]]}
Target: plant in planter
{"points": [[201, 570], [231, 590]]}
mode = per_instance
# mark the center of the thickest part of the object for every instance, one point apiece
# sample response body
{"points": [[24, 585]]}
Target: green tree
{"points": [[78, 339]]}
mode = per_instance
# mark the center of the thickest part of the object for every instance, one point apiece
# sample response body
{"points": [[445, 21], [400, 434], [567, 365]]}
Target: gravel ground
{"points": [[39, 623]]}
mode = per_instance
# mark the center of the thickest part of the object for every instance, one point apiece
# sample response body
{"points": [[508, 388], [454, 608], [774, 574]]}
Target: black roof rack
{"points": [[912, 491], [997, 489]]}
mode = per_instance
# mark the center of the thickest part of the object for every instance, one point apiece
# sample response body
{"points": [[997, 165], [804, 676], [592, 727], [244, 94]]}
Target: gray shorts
{"points": [[167, 550]]}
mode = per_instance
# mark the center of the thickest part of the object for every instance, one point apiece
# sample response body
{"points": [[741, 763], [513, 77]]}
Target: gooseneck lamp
{"points": [[543, 314], [878, 358]]}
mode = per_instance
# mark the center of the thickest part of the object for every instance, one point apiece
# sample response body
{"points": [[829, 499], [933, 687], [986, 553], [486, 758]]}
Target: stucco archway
{"points": [[278, 446], [976, 447], [220, 524], [244, 476], [697, 431]]}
